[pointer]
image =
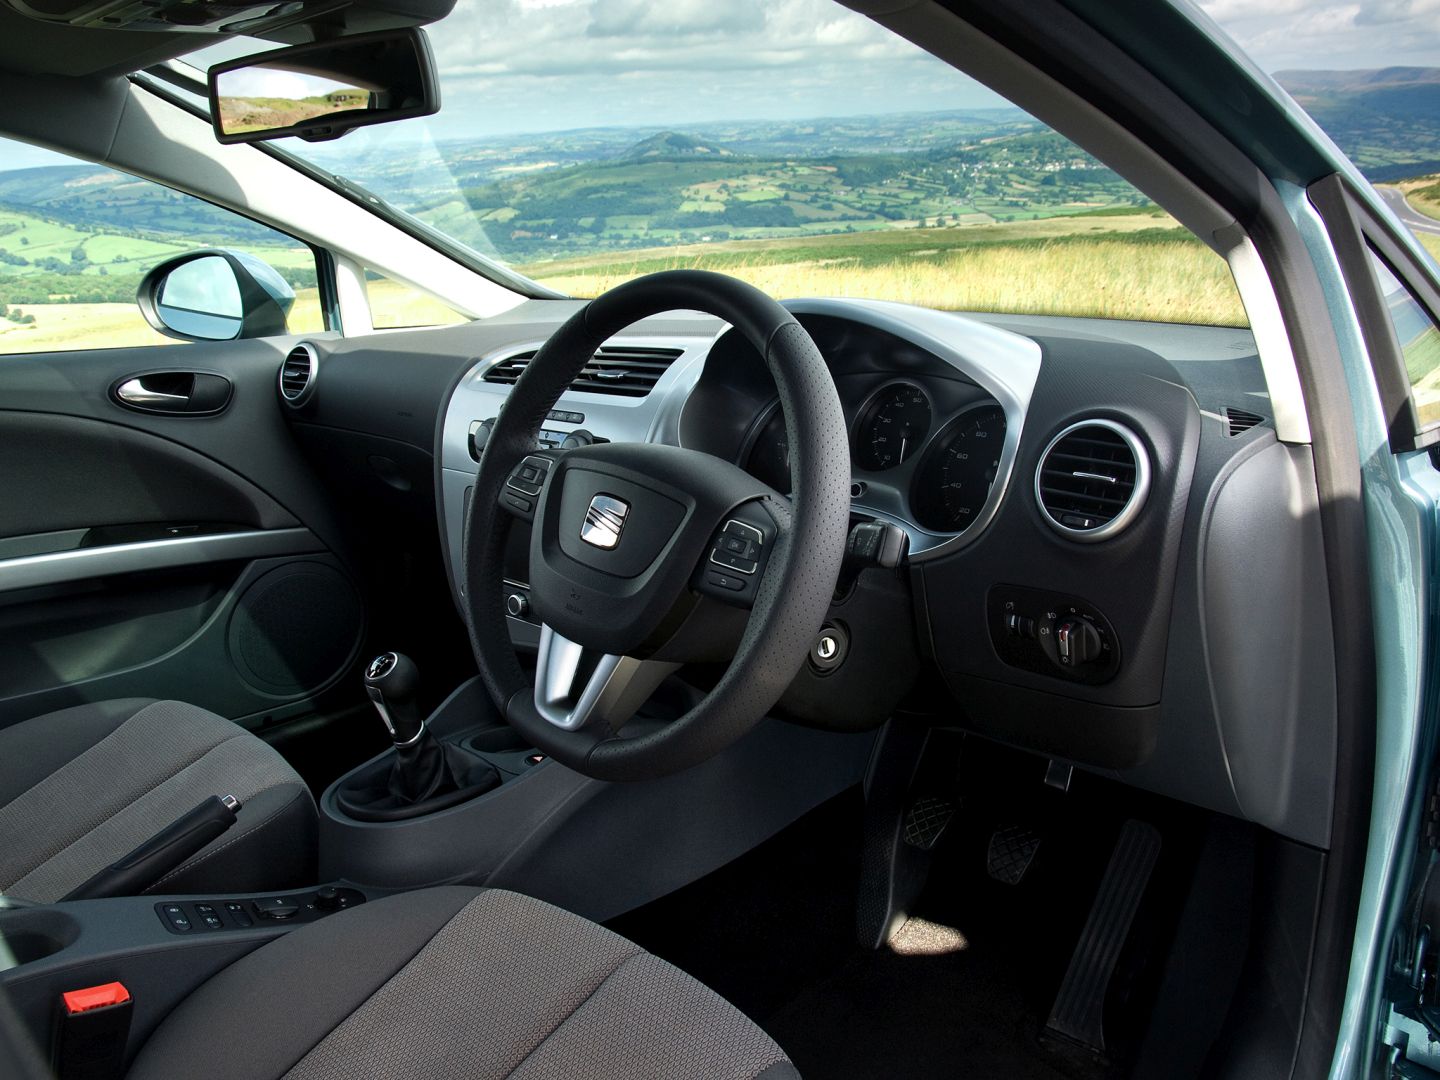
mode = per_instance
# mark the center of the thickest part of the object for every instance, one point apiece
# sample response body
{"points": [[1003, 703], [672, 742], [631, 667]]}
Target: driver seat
{"points": [[456, 982]]}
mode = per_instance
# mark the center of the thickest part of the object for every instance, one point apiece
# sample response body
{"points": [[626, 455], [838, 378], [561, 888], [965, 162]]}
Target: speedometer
{"points": [[892, 427], [956, 476]]}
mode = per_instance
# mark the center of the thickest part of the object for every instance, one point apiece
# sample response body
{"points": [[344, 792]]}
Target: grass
{"points": [[1072, 266], [66, 327], [1423, 193]]}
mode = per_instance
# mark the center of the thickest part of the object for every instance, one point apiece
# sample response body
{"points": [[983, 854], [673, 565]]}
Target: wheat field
{"points": [[1176, 281]]}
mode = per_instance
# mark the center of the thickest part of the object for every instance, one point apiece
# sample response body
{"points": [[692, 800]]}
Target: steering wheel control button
{"points": [[529, 476], [1052, 634], [738, 547], [278, 907], [829, 649], [726, 581], [734, 562]]}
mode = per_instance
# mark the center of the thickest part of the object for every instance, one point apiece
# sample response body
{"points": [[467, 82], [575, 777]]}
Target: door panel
{"points": [[185, 556]]}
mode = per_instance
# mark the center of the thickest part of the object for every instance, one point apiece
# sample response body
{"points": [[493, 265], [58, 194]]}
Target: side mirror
{"points": [[215, 295], [322, 90]]}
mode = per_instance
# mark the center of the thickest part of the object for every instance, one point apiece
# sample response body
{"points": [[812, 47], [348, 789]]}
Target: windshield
{"points": [[791, 142]]}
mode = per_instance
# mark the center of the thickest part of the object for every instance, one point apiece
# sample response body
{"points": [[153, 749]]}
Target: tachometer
{"points": [[956, 476], [893, 427]]}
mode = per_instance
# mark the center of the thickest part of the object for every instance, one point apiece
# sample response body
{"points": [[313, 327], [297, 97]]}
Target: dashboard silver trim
{"points": [[1129, 512], [1003, 364]]}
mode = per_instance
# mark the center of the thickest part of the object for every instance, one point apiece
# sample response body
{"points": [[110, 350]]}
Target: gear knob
{"points": [[392, 681]]}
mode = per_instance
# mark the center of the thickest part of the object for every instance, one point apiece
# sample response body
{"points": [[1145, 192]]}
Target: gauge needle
{"points": [[903, 443]]}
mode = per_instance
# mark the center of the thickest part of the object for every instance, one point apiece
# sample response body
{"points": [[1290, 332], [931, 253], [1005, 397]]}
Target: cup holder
{"points": [[34, 933]]}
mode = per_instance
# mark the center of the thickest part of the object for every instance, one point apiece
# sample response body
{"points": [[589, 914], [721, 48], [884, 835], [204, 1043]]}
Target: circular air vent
{"points": [[297, 375], [1092, 480]]}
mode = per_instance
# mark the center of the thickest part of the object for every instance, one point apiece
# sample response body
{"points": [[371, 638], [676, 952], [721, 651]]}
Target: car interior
{"points": [[685, 681]]}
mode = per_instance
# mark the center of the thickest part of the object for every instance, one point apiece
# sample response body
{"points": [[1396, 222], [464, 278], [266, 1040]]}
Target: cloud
{"points": [[1332, 34], [528, 65]]}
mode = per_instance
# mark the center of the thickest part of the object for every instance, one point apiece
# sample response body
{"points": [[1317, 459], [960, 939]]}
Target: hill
{"points": [[1386, 120], [676, 187], [670, 145]]}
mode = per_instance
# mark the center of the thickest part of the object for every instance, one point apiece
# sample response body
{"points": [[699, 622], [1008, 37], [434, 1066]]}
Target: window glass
{"points": [[76, 238], [395, 305], [1419, 341]]}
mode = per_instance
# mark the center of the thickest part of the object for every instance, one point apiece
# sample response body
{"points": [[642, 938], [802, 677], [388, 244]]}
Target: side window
{"points": [[76, 238], [1419, 342], [395, 305]]}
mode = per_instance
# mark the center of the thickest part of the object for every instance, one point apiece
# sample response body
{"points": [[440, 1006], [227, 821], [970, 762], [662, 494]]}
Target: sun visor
{"points": [[295, 22]]}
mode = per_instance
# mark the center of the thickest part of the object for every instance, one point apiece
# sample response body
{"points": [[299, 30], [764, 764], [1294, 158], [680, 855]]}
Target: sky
{"points": [[511, 66]]}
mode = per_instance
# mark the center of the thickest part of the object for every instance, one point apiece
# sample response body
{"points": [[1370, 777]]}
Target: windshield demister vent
{"points": [[1239, 421]]}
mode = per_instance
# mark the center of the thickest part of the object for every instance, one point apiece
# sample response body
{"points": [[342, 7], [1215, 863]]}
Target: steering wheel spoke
{"points": [[521, 492], [578, 688]]}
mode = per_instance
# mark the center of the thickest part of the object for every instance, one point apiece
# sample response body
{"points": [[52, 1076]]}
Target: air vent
{"points": [[508, 371], [1092, 480], [621, 370], [297, 375], [1239, 421]]}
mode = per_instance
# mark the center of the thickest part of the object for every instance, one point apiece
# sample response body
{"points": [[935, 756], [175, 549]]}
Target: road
{"points": [[1413, 219]]}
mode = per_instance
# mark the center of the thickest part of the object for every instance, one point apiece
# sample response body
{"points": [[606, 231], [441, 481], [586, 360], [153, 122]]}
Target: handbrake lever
{"points": [[163, 852]]}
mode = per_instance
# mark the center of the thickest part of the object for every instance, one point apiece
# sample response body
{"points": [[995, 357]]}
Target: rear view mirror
{"points": [[321, 91]]}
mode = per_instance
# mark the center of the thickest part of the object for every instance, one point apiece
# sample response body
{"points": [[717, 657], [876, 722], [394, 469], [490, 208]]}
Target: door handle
{"points": [[177, 393], [134, 392]]}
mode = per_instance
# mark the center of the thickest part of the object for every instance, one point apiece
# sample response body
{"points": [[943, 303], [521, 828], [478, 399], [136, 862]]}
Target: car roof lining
{"points": [[32, 47]]}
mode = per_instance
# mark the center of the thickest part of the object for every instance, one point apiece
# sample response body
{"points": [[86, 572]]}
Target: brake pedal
{"points": [[1079, 1010], [926, 820], [1011, 850]]}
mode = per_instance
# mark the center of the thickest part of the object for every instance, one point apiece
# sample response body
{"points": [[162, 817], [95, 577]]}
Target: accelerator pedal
{"points": [[1011, 850], [1079, 1010]]}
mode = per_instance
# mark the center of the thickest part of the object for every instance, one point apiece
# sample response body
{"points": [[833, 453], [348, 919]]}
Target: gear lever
{"points": [[391, 680], [420, 770]]}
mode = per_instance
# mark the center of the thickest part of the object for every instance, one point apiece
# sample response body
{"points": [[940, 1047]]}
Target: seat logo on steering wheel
{"points": [[604, 521]]}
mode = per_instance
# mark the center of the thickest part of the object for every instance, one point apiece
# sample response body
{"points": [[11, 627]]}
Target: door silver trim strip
{"points": [[59, 567]]}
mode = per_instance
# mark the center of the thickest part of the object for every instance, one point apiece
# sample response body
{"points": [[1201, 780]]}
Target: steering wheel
{"points": [[644, 556]]}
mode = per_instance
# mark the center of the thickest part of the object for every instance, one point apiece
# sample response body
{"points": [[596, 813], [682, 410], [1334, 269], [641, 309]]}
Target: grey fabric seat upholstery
{"points": [[456, 982], [81, 787]]}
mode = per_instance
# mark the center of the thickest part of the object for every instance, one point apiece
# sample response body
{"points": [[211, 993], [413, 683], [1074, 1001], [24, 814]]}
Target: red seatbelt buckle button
{"points": [[95, 997]]}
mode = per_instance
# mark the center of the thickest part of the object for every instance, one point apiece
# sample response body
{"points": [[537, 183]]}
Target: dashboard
{"points": [[1106, 539]]}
